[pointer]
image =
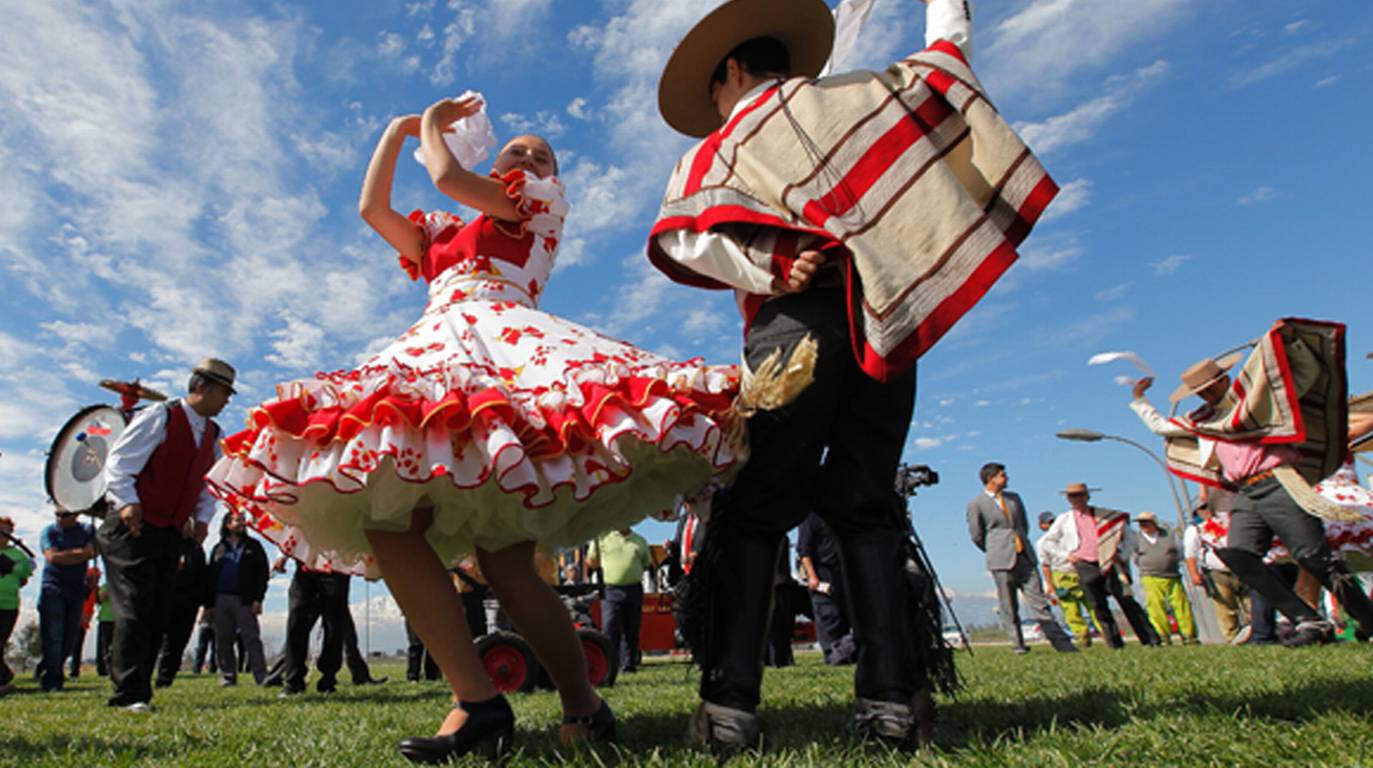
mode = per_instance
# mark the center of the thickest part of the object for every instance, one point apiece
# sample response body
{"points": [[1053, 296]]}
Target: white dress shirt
{"points": [[716, 254], [130, 453], [1162, 427]]}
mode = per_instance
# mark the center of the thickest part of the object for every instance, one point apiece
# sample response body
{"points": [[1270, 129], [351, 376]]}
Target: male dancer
{"points": [[851, 210], [1279, 427]]}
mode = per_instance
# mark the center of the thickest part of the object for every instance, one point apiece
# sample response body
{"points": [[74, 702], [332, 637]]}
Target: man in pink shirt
{"points": [[1263, 508]]}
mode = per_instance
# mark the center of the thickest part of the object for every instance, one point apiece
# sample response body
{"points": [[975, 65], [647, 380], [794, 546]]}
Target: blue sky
{"points": [[180, 180]]}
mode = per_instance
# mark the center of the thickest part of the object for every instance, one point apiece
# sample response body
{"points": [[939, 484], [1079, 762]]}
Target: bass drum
{"points": [[75, 473]]}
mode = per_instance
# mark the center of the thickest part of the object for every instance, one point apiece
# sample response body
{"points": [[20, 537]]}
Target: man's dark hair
{"points": [[989, 470], [760, 57], [197, 382]]}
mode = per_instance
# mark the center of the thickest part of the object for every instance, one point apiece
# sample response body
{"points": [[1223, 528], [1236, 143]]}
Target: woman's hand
{"points": [[445, 112], [802, 272], [406, 125]]}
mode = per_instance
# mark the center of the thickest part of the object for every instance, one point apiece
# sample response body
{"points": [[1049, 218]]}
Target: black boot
{"points": [[889, 667], [739, 583], [1334, 575], [490, 727]]}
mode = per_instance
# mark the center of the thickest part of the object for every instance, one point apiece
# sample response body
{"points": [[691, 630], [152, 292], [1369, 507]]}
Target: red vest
{"points": [[173, 479]]}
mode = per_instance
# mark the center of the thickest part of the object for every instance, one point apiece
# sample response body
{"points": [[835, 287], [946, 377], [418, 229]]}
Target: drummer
{"points": [[156, 488]]}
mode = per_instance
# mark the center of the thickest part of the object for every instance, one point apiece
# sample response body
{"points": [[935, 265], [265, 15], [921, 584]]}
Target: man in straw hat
{"points": [[155, 483], [851, 210], [1158, 553], [1098, 542], [1279, 427]]}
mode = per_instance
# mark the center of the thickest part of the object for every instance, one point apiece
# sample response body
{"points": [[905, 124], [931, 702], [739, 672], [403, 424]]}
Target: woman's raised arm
{"points": [[374, 203], [481, 192]]}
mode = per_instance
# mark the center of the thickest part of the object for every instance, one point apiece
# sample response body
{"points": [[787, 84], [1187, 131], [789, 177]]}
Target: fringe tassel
{"points": [[1308, 499], [770, 387]]}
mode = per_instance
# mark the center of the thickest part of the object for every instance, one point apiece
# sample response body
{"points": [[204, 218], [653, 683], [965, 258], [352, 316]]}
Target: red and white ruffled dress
{"points": [[514, 424]]}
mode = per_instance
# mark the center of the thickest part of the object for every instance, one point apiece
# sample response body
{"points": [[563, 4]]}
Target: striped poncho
{"points": [[911, 171]]}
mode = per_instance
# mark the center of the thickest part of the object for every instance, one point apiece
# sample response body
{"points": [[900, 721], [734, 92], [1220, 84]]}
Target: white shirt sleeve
{"points": [[205, 505], [950, 20], [1154, 421], [717, 256], [130, 453], [1191, 543]]}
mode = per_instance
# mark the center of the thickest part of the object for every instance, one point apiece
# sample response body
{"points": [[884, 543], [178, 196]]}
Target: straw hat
{"points": [[1146, 517], [216, 370], [1202, 374], [1077, 488], [804, 27]]}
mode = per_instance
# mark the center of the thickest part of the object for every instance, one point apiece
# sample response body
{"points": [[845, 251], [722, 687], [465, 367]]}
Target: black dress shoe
{"points": [[490, 729], [599, 725], [372, 680]]}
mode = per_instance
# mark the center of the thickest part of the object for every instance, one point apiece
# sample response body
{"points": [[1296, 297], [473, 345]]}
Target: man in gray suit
{"points": [[997, 524]]}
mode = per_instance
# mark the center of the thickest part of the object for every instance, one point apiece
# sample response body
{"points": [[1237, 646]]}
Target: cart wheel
{"points": [[508, 661], [602, 661]]}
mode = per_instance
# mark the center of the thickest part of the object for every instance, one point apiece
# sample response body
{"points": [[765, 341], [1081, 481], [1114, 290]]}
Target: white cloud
{"points": [[1291, 59], [1170, 264], [390, 44], [926, 443], [1041, 49], [1091, 329], [543, 123], [1072, 196], [297, 345], [491, 31], [1050, 252], [1326, 82], [1082, 122], [1260, 194], [1114, 293], [1296, 26], [577, 108]]}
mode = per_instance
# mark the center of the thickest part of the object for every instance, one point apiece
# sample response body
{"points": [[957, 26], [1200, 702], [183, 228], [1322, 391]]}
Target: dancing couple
{"points": [[491, 427]]}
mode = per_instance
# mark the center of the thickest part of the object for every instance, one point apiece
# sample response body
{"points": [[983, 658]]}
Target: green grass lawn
{"points": [[1171, 706]]}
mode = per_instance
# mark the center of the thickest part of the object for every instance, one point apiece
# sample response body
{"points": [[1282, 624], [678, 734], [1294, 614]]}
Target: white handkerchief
{"points": [[472, 138], [1110, 357]]}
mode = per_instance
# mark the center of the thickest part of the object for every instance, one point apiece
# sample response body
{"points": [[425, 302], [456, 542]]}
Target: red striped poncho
{"points": [[911, 171]]}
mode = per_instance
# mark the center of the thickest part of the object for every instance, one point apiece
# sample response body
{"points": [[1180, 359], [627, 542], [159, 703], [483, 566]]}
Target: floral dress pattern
{"points": [[512, 423]]}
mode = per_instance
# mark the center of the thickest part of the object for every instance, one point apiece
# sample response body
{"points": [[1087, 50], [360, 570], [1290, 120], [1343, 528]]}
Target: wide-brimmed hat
{"points": [[1046, 517], [216, 370], [1146, 517], [1203, 373], [1077, 488], [804, 27]]}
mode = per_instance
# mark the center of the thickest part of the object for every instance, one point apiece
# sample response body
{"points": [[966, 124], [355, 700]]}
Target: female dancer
{"points": [[488, 426]]}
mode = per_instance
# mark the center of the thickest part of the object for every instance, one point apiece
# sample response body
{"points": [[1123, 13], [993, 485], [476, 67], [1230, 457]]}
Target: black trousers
{"points": [[314, 596], [141, 573], [352, 656], [622, 613], [834, 450], [1099, 586], [205, 646], [831, 621], [104, 638], [1262, 615], [1264, 510], [176, 635], [783, 623], [417, 660], [8, 616]]}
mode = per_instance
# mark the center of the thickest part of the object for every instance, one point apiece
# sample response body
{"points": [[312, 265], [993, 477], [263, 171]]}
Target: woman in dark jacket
{"points": [[236, 585]]}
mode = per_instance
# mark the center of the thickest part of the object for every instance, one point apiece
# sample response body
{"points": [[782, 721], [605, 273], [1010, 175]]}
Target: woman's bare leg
{"points": [[423, 589], [543, 622]]}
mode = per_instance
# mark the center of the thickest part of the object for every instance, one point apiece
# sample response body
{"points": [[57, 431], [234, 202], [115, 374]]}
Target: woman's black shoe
{"points": [[489, 729], [600, 725]]}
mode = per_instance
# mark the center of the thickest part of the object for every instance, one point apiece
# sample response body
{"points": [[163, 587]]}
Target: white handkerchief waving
{"points": [[1130, 357], [471, 139]]}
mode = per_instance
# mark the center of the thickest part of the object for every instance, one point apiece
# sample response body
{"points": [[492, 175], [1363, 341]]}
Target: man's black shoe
{"points": [[1311, 632]]}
